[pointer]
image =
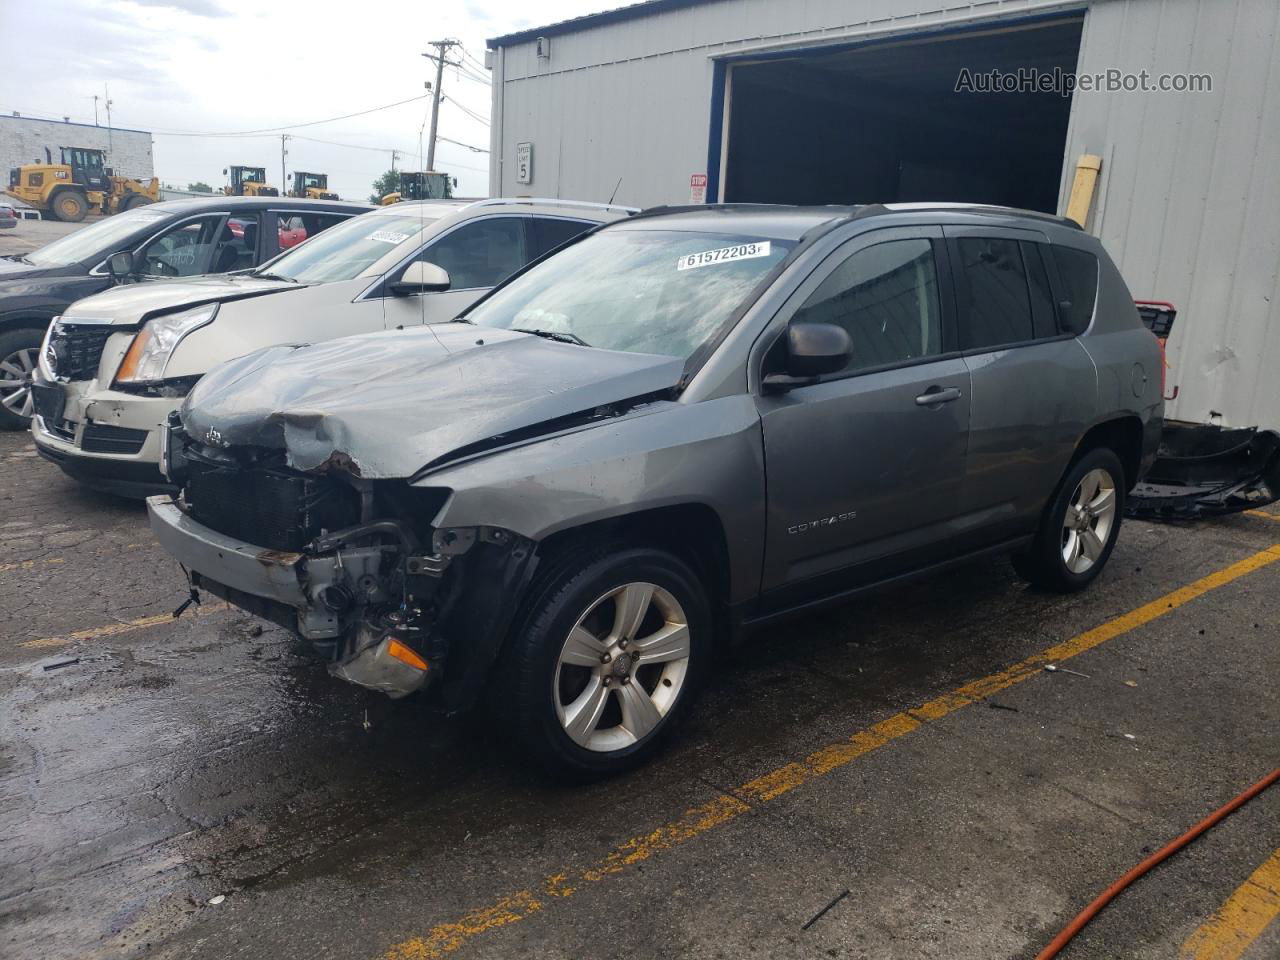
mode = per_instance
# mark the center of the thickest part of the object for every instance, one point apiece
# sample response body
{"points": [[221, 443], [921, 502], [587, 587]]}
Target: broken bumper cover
{"points": [[1205, 470], [272, 585]]}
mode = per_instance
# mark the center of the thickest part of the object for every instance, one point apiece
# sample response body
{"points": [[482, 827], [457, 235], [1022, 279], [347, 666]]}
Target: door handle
{"points": [[938, 395]]}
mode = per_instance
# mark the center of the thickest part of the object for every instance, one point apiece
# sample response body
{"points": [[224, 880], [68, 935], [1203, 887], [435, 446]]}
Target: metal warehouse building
{"points": [[24, 140], [839, 101]]}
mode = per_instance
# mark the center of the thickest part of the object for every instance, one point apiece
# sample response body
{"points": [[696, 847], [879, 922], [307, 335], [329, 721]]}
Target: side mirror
{"points": [[421, 277], [813, 349], [120, 266]]}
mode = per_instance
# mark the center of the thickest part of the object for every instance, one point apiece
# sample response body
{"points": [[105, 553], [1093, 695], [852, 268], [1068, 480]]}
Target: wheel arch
{"points": [[1122, 434], [693, 531]]}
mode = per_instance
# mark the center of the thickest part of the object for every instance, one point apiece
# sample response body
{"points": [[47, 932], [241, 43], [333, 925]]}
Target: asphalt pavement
{"points": [[896, 778]]}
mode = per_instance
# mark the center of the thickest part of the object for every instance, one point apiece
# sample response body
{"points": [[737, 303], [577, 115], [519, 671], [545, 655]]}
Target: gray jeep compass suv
{"points": [[679, 426]]}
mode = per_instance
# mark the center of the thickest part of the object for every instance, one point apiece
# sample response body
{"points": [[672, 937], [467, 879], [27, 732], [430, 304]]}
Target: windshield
{"points": [[102, 238], [348, 249], [643, 291]]}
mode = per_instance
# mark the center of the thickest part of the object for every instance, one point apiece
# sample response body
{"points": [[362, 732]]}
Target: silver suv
{"points": [[113, 366], [683, 425]]}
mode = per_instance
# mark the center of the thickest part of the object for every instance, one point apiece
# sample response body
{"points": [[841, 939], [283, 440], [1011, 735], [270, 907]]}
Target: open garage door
{"points": [[883, 122]]}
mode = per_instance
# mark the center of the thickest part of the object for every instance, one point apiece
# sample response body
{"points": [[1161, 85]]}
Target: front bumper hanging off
{"points": [[385, 615]]}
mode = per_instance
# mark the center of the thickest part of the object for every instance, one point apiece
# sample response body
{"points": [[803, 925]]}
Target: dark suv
{"points": [[234, 233], [681, 425]]}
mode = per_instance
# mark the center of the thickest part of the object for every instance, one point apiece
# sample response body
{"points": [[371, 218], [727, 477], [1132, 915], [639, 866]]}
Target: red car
{"points": [[291, 231]]}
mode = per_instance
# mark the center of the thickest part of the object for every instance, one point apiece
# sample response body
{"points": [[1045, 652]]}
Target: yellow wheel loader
{"points": [[423, 185], [80, 183], [311, 186], [249, 182]]}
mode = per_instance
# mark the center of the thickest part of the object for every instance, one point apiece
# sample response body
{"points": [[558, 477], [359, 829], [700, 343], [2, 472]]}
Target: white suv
{"points": [[114, 365]]}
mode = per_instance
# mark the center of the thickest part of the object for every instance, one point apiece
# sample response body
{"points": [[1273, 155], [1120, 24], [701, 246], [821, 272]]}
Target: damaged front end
{"points": [[354, 567]]}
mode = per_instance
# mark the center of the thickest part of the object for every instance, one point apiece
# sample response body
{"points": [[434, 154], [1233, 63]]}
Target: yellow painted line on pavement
{"points": [[1240, 921], [445, 938], [30, 564], [123, 626], [1263, 513]]}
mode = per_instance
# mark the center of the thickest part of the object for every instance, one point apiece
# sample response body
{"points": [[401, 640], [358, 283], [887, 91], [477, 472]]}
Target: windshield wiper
{"points": [[19, 258], [555, 335], [274, 276], [463, 320]]}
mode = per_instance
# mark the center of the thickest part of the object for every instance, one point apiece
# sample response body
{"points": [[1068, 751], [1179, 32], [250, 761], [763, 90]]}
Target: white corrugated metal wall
{"points": [[1188, 201]]}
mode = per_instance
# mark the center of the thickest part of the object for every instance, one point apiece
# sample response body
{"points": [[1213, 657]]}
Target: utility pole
{"points": [[284, 181], [110, 141], [95, 109], [394, 154], [442, 48]]}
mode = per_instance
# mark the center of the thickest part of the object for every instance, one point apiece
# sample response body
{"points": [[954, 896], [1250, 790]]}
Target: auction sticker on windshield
{"points": [[739, 251], [388, 236]]}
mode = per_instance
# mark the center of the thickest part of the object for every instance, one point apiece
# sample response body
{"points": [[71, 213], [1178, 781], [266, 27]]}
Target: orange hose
{"points": [[1168, 850]]}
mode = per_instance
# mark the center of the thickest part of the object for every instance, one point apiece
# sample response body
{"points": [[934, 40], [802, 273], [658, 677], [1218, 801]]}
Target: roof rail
{"points": [[991, 208], [555, 202]]}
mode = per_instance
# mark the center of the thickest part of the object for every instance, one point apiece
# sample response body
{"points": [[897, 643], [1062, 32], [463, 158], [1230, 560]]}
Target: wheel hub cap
{"points": [[1089, 519], [622, 667], [16, 373]]}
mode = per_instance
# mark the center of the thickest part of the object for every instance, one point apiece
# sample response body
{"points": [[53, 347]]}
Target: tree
{"points": [[389, 182], [199, 187]]}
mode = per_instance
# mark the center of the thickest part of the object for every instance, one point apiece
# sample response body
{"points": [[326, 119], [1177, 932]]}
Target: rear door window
{"points": [[550, 232], [1043, 320], [991, 292], [1078, 276], [480, 253]]}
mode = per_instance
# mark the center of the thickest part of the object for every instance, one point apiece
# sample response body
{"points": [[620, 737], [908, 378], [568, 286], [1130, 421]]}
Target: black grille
{"points": [[272, 509], [104, 438], [74, 350]]}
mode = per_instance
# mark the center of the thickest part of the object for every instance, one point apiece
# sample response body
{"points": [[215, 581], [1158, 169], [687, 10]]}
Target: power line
{"points": [[289, 126], [467, 110], [457, 143]]}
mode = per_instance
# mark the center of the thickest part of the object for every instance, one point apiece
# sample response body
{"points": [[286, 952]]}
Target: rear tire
{"points": [[1079, 528], [69, 206], [605, 662], [18, 352]]}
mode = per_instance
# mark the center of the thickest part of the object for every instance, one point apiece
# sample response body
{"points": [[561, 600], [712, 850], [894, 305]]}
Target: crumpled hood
{"points": [[395, 402], [129, 303]]}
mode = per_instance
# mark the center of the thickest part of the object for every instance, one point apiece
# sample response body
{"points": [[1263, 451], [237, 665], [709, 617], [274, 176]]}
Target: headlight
{"points": [[155, 342]]}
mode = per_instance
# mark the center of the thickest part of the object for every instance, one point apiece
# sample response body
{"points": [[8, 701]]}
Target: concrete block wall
{"points": [[23, 139]]}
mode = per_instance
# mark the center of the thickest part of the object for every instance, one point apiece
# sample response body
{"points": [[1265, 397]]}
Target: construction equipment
{"points": [[249, 182], [311, 186], [423, 185], [79, 183]]}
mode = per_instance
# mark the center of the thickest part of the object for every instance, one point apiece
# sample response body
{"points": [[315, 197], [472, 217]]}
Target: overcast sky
{"points": [[225, 66]]}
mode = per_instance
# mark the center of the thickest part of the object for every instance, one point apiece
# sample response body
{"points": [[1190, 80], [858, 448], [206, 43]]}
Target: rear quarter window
{"points": [[1078, 273]]}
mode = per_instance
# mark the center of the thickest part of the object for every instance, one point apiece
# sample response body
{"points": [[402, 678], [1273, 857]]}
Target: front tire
{"points": [[1080, 526], [605, 662]]}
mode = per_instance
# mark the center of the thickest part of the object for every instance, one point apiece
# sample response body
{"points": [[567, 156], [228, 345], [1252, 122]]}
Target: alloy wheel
{"points": [[16, 371], [622, 667], [1091, 514]]}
